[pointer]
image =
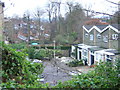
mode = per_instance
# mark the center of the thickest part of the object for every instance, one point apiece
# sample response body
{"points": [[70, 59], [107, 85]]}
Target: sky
{"points": [[19, 7]]}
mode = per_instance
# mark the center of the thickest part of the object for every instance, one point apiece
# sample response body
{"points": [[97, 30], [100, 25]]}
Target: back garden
{"points": [[17, 72]]}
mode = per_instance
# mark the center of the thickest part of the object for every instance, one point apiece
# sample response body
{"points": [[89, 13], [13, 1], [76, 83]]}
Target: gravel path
{"points": [[52, 74]]}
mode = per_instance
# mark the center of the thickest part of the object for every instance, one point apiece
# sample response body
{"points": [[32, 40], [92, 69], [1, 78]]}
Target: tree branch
{"points": [[92, 11]]}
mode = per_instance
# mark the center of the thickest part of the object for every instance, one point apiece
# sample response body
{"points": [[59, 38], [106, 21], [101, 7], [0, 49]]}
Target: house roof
{"points": [[117, 26], [102, 28], [95, 48], [95, 21], [109, 51], [25, 31], [85, 46], [113, 51], [88, 27]]}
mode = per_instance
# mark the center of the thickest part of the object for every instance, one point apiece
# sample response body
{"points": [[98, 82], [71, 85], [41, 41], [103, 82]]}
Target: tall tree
{"points": [[52, 15], [75, 19], [38, 14]]}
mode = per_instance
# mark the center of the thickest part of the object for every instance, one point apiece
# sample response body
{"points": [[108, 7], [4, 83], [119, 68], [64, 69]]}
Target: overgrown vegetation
{"points": [[18, 46], [41, 54], [75, 63], [44, 52], [105, 75], [17, 72]]}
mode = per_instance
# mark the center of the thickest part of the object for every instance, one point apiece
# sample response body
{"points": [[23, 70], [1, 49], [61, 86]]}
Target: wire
{"points": [[112, 2]]}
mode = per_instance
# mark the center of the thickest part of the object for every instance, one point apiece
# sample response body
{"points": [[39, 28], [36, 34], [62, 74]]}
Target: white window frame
{"points": [[83, 55], [115, 36], [86, 35], [105, 38], [91, 37], [98, 36]]}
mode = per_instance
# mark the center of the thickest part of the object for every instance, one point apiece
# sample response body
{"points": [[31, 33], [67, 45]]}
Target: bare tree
{"points": [[26, 18], [38, 14], [52, 14]]}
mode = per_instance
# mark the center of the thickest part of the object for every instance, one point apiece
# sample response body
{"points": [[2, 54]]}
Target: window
{"points": [[109, 58], [86, 35], [98, 36], [16, 27], [91, 37], [31, 26], [84, 55], [99, 57], [114, 36], [105, 38]]}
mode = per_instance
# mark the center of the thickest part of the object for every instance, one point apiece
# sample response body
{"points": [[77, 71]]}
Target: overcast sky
{"points": [[18, 7]]}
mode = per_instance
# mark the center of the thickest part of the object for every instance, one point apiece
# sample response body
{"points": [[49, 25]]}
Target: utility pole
{"points": [[26, 19], [54, 48], [39, 30], [28, 27]]}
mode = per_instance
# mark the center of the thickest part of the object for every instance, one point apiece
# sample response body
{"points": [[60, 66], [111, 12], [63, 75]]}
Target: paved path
{"points": [[55, 71], [52, 74]]}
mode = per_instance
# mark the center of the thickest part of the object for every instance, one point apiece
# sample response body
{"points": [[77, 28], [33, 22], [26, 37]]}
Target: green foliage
{"points": [[105, 75], [18, 46], [30, 52], [61, 47], [61, 39], [17, 72], [41, 53], [66, 39], [75, 63]]}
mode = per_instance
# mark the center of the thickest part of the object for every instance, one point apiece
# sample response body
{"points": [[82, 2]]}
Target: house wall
{"points": [[1, 20], [73, 51], [105, 43], [113, 41], [91, 38], [98, 37], [103, 39], [86, 37]]}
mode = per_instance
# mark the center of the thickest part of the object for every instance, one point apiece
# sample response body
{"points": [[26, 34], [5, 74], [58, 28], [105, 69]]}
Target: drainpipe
{"points": [[54, 49], [83, 35], [109, 38], [94, 37]]}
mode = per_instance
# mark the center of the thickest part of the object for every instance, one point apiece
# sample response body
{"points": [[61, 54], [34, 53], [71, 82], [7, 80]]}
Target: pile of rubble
{"points": [[65, 59]]}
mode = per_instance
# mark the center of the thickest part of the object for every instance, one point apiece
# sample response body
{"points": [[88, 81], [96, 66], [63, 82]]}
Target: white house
{"points": [[100, 43]]}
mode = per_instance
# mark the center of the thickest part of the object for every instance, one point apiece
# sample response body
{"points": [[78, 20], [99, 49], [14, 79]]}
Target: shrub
{"points": [[18, 46], [105, 75], [17, 72], [75, 63]]}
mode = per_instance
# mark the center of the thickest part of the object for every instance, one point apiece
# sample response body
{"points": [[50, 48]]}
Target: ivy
{"points": [[17, 72]]}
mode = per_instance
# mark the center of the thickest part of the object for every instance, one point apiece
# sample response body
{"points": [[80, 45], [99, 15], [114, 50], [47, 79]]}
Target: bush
{"points": [[17, 72], [65, 47], [75, 63], [105, 75], [18, 46], [41, 53]]}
